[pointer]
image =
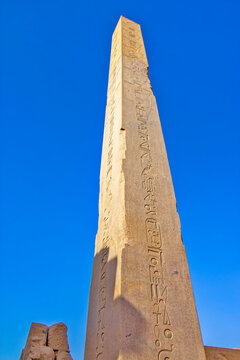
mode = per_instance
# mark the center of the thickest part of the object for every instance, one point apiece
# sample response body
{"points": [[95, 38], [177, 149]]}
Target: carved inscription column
{"points": [[141, 302]]}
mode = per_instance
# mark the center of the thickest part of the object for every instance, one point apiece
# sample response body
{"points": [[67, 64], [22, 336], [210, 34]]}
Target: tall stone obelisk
{"points": [[141, 302]]}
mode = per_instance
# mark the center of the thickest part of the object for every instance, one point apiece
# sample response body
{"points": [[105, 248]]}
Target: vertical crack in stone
{"points": [[47, 337]]}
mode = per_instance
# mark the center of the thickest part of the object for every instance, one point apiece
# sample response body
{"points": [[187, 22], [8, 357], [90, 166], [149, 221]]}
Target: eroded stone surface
{"points": [[57, 337], [141, 304], [217, 353], [38, 332], [63, 355], [38, 352], [55, 340]]}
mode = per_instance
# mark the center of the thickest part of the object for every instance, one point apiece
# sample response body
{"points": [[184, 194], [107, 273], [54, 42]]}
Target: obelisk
{"points": [[141, 302]]}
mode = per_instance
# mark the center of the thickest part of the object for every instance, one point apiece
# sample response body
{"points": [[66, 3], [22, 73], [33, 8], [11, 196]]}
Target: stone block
{"points": [[63, 355], [38, 352], [217, 353], [38, 332], [57, 337]]}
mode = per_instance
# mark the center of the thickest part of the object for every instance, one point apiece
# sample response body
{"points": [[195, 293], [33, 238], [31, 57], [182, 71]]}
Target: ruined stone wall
{"points": [[47, 343]]}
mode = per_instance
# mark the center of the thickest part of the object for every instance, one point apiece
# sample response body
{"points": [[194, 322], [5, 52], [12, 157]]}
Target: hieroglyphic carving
{"points": [[109, 157], [102, 287], [112, 103], [132, 41], [162, 327]]}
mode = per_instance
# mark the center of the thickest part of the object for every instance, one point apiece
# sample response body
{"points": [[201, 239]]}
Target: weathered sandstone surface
{"points": [[217, 353], [45, 343]]}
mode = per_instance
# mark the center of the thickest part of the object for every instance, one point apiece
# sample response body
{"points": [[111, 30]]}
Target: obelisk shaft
{"points": [[141, 301]]}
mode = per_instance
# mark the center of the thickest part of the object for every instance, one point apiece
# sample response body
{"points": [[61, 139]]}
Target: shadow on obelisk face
{"points": [[114, 326]]}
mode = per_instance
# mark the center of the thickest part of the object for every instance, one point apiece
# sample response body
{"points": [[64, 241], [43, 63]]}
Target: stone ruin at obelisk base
{"points": [[47, 343], [141, 304]]}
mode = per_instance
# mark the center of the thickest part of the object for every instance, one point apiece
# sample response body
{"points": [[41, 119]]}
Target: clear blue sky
{"points": [[54, 69]]}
